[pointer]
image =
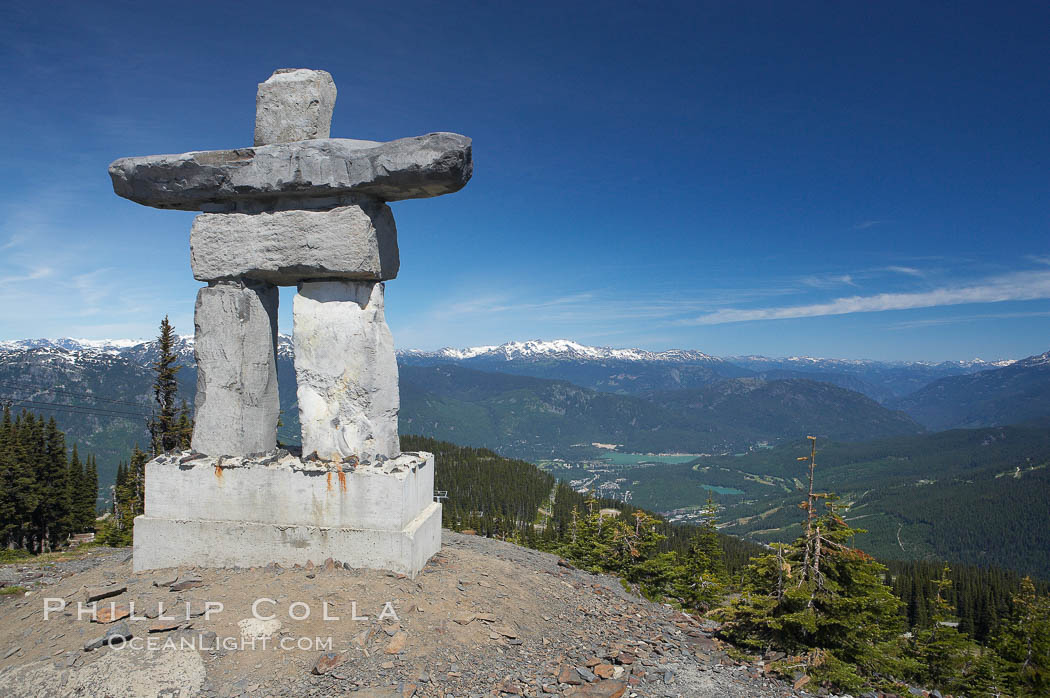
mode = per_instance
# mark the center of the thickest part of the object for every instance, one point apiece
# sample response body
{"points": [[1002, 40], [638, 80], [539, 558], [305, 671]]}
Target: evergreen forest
{"points": [[47, 492]]}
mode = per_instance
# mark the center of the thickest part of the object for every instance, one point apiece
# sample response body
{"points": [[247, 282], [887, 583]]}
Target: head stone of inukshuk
{"points": [[297, 209]]}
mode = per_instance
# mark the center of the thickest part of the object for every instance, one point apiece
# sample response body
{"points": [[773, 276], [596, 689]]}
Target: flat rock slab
{"points": [[357, 242], [111, 613], [103, 592], [409, 168]]}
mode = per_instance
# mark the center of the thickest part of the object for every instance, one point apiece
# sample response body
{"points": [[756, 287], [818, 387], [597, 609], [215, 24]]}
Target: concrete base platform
{"points": [[161, 543], [248, 512]]}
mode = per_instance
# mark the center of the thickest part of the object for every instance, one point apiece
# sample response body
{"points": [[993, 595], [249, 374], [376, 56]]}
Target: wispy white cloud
{"points": [[1018, 286], [864, 225], [30, 275], [909, 271], [1040, 259], [829, 281]]}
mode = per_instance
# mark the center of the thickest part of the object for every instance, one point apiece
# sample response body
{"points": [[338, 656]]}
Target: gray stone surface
{"points": [[236, 351], [284, 247], [162, 543], [346, 370], [409, 168], [294, 104], [383, 496]]}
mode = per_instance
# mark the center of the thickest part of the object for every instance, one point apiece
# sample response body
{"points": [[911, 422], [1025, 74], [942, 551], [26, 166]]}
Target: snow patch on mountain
{"points": [[564, 349], [560, 349]]}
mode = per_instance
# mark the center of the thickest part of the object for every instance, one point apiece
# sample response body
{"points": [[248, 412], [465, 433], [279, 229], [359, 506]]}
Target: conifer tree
{"points": [[75, 483], [701, 578], [821, 598], [91, 493], [164, 426], [8, 520], [653, 571], [184, 427], [128, 499], [53, 514], [27, 444], [84, 491], [946, 654], [1024, 643]]}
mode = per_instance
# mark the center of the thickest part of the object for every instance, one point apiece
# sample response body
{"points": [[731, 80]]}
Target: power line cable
{"points": [[78, 409], [30, 386]]}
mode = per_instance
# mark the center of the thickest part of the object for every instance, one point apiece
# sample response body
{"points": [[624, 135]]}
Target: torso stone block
{"points": [[356, 242]]}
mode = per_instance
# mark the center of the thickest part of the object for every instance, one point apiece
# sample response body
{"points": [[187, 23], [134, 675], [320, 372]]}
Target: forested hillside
{"points": [[976, 496], [538, 418], [1016, 393], [743, 408]]}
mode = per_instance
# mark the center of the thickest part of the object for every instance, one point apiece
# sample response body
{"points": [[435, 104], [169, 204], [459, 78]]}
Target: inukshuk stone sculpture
{"points": [[298, 208]]}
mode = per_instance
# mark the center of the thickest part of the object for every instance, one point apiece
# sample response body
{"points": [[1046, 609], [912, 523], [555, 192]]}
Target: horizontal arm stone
{"points": [[409, 168]]}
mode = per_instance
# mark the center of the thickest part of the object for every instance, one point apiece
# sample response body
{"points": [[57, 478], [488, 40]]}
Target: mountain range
{"points": [[637, 371], [555, 399]]}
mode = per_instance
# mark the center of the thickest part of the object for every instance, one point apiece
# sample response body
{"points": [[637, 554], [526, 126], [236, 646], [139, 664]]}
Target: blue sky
{"points": [[836, 179]]}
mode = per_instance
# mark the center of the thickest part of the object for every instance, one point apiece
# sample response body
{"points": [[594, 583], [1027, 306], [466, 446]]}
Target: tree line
{"points": [[46, 491]]}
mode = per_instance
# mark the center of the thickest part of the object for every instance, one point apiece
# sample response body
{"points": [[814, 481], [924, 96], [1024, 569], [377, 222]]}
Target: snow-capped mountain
{"points": [[562, 349], [135, 349], [618, 370], [108, 346]]}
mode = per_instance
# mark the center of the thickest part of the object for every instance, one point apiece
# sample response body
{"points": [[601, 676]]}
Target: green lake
{"points": [[722, 490]]}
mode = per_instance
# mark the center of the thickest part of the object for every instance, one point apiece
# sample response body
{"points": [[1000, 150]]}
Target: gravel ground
{"points": [[484, 618]]}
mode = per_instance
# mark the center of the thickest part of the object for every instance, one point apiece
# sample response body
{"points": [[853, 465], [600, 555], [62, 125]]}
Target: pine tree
{"points": [[91, 493], [184, 427], [653, 571], [821, 598], [1024, 642], [28, 454], [701, 578], [51, 518], [75, 483], [8, 508], [946, 654], [164, 426], [128, 500], [84, 493]]}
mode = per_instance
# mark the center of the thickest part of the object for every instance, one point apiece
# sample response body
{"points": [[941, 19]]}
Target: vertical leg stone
{"points": [[236, 349], [346, 370]]}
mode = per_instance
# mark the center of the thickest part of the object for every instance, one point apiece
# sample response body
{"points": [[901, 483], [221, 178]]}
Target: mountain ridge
{"points": [[1012, 394], [557, 348]]}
